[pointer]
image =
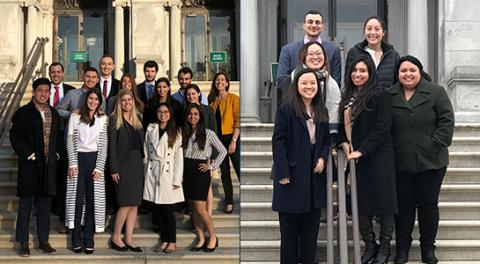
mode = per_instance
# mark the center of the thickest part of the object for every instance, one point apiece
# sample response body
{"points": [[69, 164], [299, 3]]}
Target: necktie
{"points": [[56, 96], [105, 86], [149, 91]]}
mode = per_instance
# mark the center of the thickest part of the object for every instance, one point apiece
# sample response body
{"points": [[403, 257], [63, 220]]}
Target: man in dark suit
{"points": [[313, 26], [146, 89], [36, 139], [58, 89], [107, 84]]}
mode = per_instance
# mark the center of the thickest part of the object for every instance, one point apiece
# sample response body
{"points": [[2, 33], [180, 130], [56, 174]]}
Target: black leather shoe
{"points": [[401, 257], [371, 249], [428, 256], [77, 250], [117, 247], [46, 248], [210, 250], [24, 250], [195, 249], [88, 251], [134, 249]]}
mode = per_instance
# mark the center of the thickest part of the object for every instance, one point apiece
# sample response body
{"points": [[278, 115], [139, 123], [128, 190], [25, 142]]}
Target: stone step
{"points": [[8, 160], [258, 211], [8, 173], [454, 175], [8, 220], [256, 130], [463, 159], [447, 250], [448, 192], [228, 237], [465, 144], [409, 262], [447, 230], [104, 255], [261, 144], [467, 130]]}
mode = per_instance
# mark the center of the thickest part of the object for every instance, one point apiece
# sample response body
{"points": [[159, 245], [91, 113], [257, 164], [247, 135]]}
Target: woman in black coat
{"points": [[366, 113], [300, 145], [382, 53]]}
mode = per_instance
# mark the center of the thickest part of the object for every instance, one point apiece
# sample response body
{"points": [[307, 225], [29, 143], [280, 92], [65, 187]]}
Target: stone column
{"points": [[175, 40], [249, 72], [119, 39], [31, 26], [417, 24]]}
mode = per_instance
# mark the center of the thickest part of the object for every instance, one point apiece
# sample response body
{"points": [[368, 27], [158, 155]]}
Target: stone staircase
{"points": [[227, 228], [458, 239]]}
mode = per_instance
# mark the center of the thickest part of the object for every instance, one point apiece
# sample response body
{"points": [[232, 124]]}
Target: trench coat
{"points": [[39, 176], [163, 168]]}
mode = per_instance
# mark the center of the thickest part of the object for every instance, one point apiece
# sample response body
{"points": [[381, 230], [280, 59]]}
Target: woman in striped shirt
{"points": [[198, 143], [87, 152]]}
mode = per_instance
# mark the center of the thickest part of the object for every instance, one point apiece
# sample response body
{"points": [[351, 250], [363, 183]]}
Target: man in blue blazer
{"points": [[288, 60]]}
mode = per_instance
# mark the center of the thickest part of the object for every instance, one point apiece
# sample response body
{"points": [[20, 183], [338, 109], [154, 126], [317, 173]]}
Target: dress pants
{"points": [[86, 165], [43, 205], [299, 237], [166, 222], [418, 192], [225, 167]]}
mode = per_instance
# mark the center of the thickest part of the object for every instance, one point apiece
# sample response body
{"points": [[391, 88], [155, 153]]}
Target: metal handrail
{"points": [[15, 95]]}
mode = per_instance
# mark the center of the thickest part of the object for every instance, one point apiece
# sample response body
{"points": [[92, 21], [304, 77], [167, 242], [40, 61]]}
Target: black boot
{"points": [[386, 230], [401, 256], [371, 246], [428, 255]]}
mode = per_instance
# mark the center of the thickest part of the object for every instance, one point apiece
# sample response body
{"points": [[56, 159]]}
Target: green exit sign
{"points": [[218, 56], [78, 56]]}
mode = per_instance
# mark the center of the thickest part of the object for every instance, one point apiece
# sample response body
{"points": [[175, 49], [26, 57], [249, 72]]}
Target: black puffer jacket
{"points": [[386, 70]]}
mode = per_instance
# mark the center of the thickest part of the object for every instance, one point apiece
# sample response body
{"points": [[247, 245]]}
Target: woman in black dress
{"points": [[198, 143], [126, 153]]}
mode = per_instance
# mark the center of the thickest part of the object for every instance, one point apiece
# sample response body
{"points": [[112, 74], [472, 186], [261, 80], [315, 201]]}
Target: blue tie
{"points": [[149, 91]]}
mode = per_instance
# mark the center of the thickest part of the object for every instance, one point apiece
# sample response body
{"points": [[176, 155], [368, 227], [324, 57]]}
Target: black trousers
{"points": [[58, 201], [165, 218], [43, 205], [86, 165], [418, 192], [298, 234], [225, 167]]}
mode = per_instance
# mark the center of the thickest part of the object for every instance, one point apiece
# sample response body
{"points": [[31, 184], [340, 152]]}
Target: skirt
{"points": [[129, 190], [195, 182]]}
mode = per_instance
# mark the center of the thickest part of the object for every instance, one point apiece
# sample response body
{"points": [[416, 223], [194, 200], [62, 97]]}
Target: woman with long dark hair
{"points": [[164, 174], [198, 143], [162, 94], [300, 145], [226, 107], [87, 145], [366, 113]]}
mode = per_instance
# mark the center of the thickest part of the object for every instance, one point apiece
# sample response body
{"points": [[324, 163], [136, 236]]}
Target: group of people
{"points": [[111, 146], [389, 116]]}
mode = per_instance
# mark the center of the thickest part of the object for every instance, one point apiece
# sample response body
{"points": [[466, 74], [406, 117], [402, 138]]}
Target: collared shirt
{"points": [[306, 39], [149, 89], [88, 139], [109, 87], [60, 92]]}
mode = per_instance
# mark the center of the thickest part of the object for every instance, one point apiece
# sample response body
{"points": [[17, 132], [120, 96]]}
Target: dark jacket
{"points": [[376, 189], [422, 127], [36, 177], [117, 150], [291, 154], [386, 70], [113, 91]]}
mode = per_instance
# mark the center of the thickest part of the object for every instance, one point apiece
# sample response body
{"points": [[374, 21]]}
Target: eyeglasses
{"points": [[313, 54]]}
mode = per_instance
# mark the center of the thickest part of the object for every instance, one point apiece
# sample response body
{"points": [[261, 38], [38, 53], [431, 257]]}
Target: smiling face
{"points": [[184, 79], [126, 103], [359, 74], [163, 114], [409, 75], [90, 79], [162, 89], [150, 74], [307, 86], [192, 96], [374, 32], [92, 102], [315, 58], [56, 74], [313, 25], [126, 82], [194, 117], [106, 66], [221, 83], [41, 94]]}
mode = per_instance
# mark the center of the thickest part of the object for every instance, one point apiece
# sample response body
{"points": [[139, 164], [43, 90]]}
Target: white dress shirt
{"points": [[52, 92]]}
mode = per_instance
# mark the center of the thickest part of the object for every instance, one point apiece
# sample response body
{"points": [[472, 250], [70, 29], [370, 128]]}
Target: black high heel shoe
{"points": [[195, 249], [117, 247], [210, 250], [228, 211], [134, 249]]}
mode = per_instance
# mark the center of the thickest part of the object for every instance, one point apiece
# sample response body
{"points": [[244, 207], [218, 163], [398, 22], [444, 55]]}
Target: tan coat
{"points": [[163, 168]]}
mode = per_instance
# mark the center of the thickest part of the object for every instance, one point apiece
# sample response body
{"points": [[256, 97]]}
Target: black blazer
{"points": [[143, 93], [117, 149], [292, 159], [39, 176], [113, 90]]}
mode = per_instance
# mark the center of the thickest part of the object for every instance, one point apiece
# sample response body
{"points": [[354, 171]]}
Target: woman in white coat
{"points": [[164, 173]]}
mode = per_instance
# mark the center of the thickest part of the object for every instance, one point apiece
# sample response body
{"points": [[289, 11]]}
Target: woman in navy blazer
{"points": [[300, 146]]}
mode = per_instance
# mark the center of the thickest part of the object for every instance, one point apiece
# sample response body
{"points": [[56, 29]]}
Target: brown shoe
{"points": [[24, 251], [46, 248]]}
